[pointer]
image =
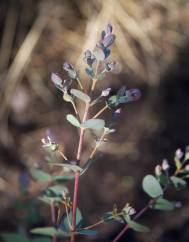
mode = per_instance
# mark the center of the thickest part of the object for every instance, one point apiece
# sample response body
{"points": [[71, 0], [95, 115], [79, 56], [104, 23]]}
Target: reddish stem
{"points": [[77, 174], [82, 131]]}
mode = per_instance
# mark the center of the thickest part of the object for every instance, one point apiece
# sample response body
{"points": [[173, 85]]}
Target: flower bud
{"points": [[165, 165], [179, 154], [158, 170], [106, 92]]}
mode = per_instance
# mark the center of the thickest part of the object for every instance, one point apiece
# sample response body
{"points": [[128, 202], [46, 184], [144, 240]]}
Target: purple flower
{"points": [[89, 58], [110, 66]]}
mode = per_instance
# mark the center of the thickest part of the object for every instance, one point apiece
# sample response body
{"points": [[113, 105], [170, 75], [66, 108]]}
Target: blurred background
{"points": [[152, 52]]}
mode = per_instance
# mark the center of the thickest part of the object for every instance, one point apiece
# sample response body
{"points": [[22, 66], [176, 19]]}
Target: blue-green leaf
{"points": [[178, 182], [163, 204], [81, 95], [138, 227], [151, 186], [48, 231], [73, 120], [93, 124], [40, 175]]}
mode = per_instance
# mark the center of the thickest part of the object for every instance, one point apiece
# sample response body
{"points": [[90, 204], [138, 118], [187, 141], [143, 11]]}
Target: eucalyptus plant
{"points": [[66, 217]]}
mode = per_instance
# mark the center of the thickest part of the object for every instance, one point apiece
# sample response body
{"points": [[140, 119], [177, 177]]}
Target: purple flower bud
{"points": [[67, 66], [108, 40], [89, 58], [134, 94], [108, 29], [57, 81]]}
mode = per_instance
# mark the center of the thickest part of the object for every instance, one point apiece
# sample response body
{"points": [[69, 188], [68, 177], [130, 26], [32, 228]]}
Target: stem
{"points": [[62, 154], [77, 174], [97, 145], [94, 225], [82, 130], [53, 219], [79, 83], [101, 111]]}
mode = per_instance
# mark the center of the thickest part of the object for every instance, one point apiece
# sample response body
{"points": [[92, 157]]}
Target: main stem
{"points": [[77, 174]]}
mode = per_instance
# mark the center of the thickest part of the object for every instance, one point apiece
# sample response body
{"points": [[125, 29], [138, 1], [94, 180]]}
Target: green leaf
{"points": [[93, 124], [151, 186], [81, 95], [107, 216], [99, 54], [138, 227], [48, 231], [73, 168], [40, 175], [73, 120], [62, 178], [58, 189], [178, 182], [87, 232], [14, 237], [178, 163], [163, 204], [113, 101], [64, 223]]}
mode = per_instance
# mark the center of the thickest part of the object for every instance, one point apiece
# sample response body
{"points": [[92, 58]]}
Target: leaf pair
{"points": [[96, 124]]}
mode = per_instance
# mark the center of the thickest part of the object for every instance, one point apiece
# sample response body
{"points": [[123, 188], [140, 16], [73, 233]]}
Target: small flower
{"points": [[129, 210], [106, 92], [49, 144], [165, 165], [107, 38], [158, 170]]}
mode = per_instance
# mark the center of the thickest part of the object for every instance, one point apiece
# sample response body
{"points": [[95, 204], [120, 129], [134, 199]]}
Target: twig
{"points": [[97, 145], [77, 174], [95, 225], [100, 111]]}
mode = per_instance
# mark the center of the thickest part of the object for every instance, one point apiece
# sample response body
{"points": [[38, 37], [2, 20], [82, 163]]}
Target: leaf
{"points": [[58, 189], [163, 204], [48, 231], [40, 175], [99, 54], [178, 182], [138, 227], [90, 72], [178, 163], [107, 216], [93, 124], [73, 168], [88, 232], [73, 120], [62, 178], [81, 95], [64, 223], [14, 237], [151, 186]]}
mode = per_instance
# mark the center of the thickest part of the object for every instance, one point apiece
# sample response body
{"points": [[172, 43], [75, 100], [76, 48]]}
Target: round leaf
{"points": [[72, 119], [163, 204], [138, 227], [81, 95], [93, 124], [151, 186]]}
